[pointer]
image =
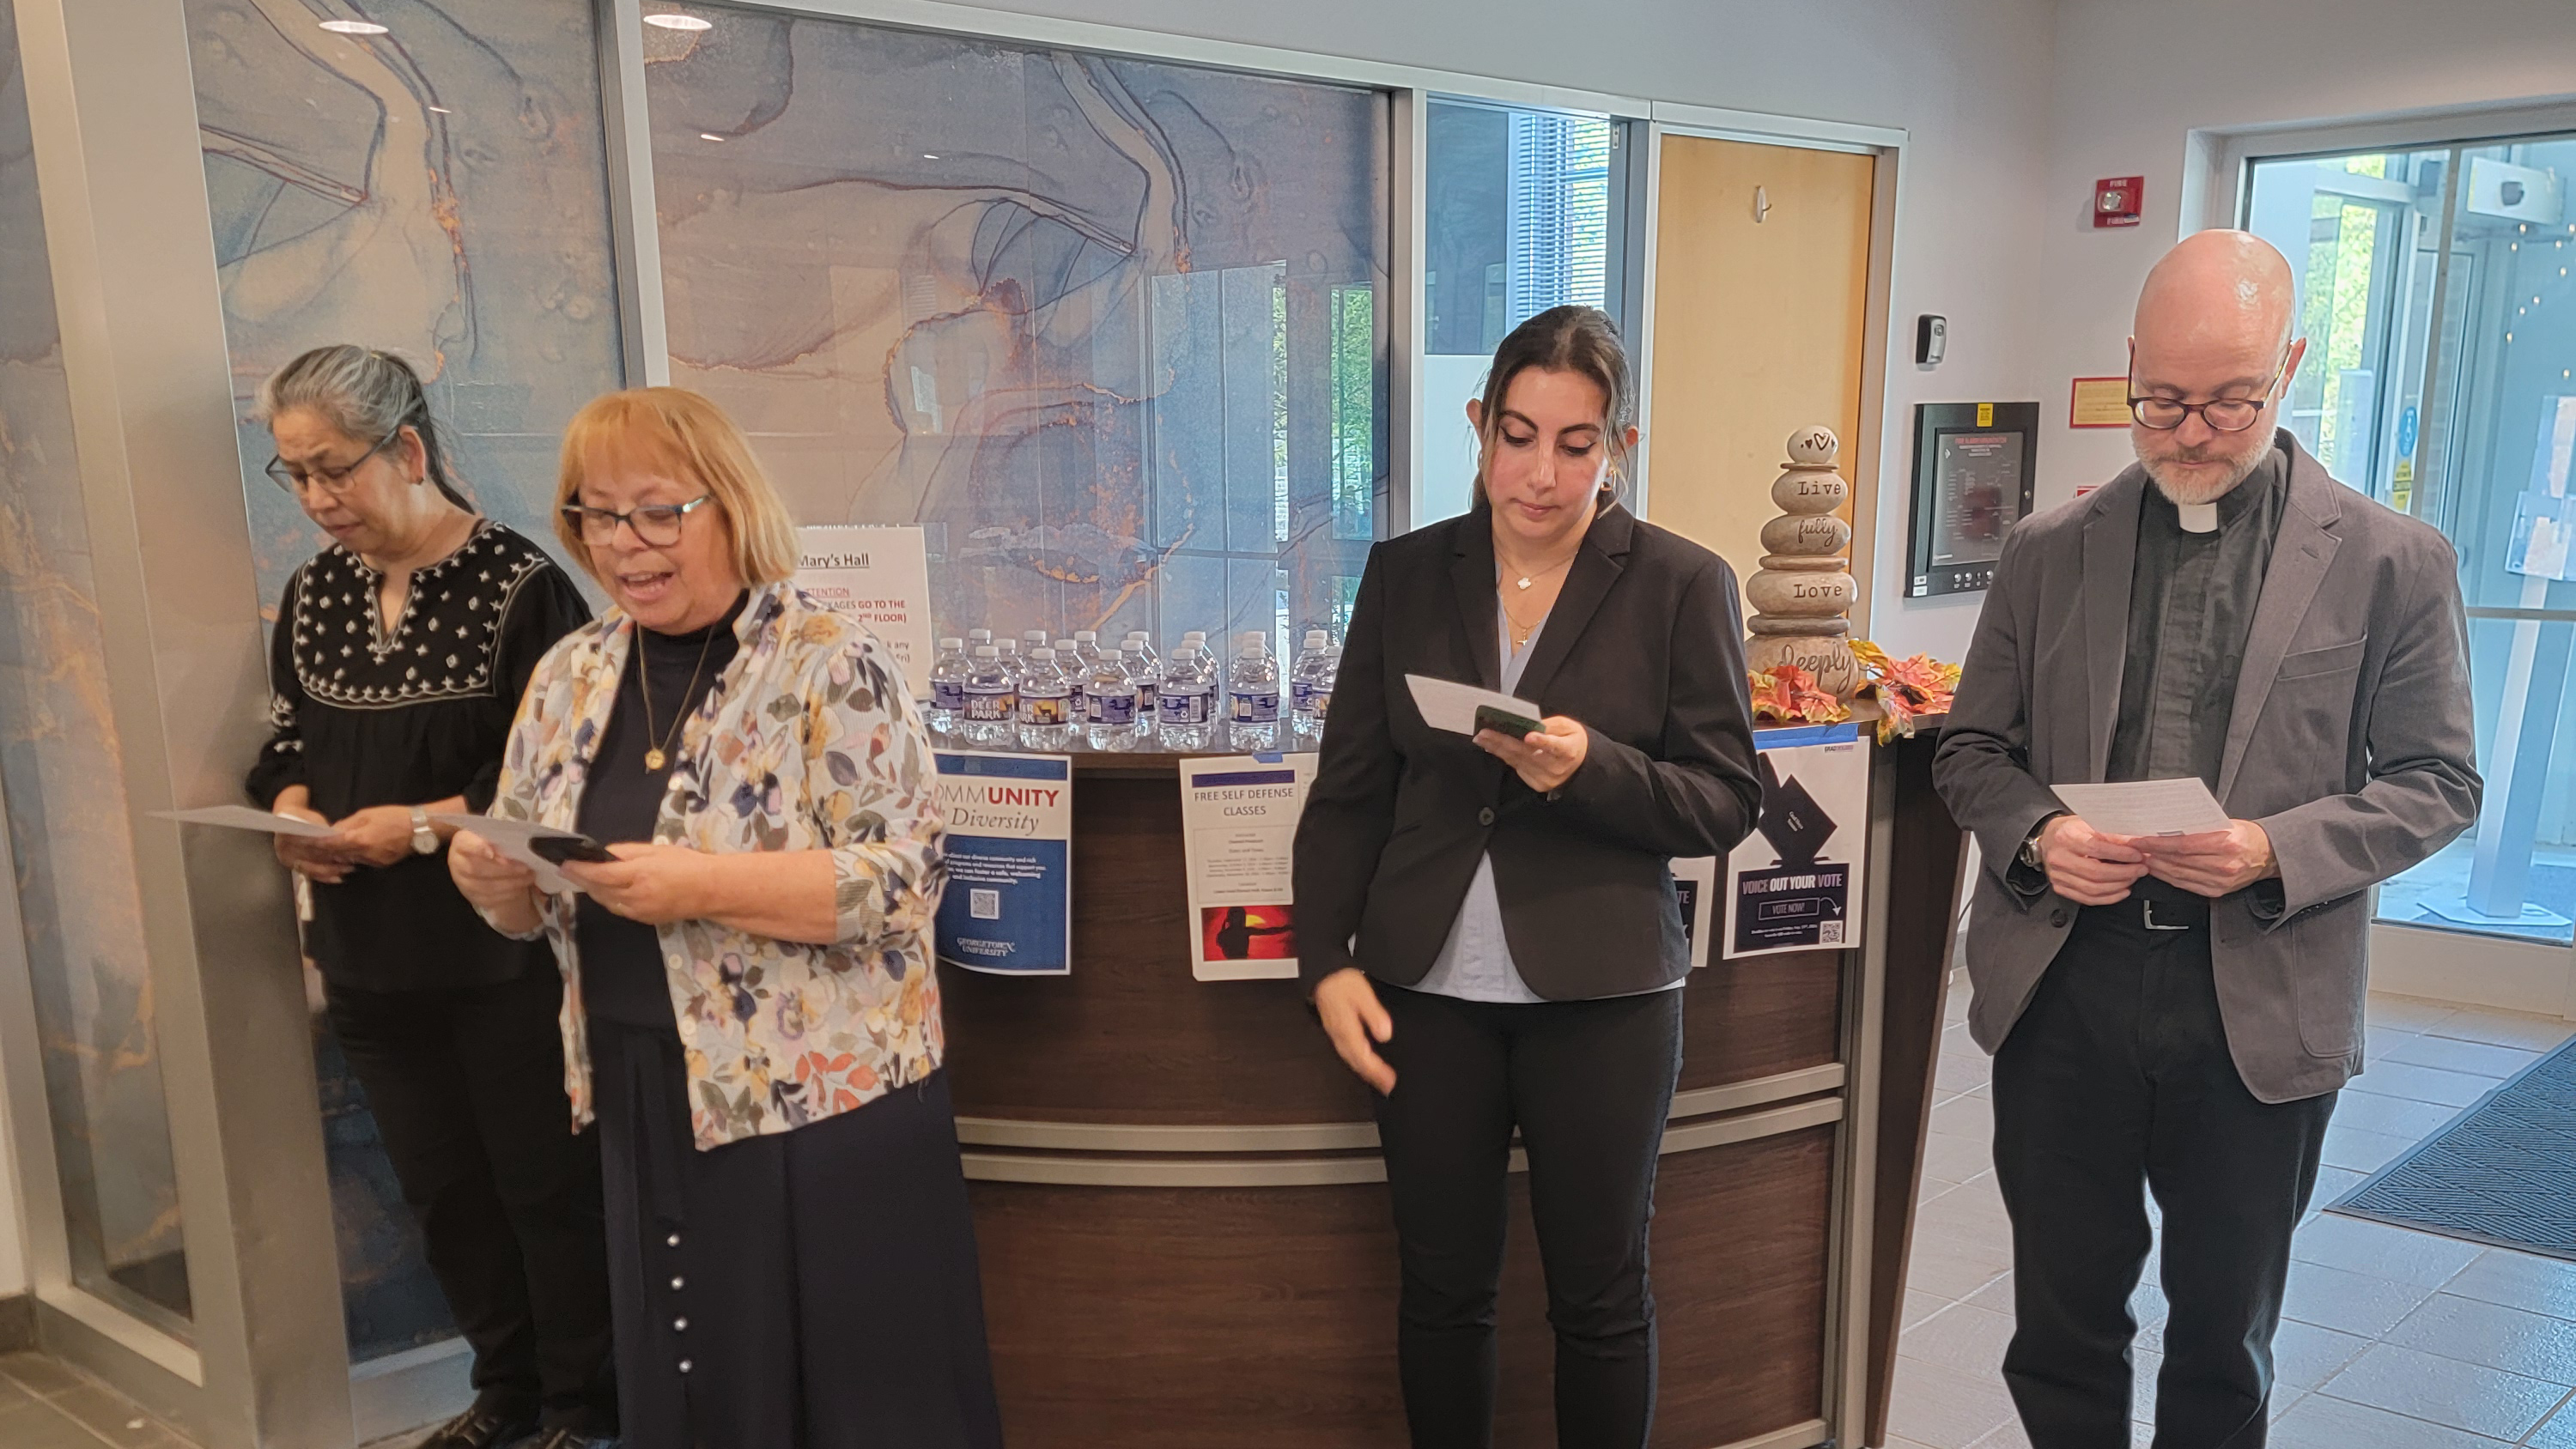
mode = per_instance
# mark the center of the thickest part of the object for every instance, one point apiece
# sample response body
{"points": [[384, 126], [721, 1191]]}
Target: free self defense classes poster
{"points": [[880, 577], [1009, 906], [1794, 884], [1239, 829]]}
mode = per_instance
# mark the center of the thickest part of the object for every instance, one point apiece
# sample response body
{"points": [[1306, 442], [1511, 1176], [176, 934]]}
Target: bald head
{"points": [[2219, 289], [2213, 325]]}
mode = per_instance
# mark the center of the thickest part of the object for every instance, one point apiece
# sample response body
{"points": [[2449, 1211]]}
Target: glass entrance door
{"points": [[2434, 286]]}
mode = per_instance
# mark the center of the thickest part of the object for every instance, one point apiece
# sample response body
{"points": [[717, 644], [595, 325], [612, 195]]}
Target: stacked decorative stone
{"points": [[1802, 596]]}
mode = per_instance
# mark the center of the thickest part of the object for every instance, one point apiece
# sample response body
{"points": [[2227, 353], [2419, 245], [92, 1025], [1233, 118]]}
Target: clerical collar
{"points": [[2201, 519]]}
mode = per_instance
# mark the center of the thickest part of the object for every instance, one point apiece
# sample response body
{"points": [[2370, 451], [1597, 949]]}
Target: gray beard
{"points": [[2183, 494]]}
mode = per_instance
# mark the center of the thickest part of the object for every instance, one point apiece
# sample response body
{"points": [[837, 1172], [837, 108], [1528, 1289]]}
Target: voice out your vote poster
{"points": [[1794, 884], [1009, 905]]}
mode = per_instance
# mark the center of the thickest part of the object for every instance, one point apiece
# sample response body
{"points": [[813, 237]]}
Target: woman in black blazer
{"points": [[1488, 925]]}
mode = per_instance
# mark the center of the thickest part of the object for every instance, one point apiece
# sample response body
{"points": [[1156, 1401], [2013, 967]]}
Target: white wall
{"points": [[2133, 81], [1967, 78]]}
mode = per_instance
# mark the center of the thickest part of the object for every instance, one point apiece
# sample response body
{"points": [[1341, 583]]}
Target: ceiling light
{"points": [[442, 110], [673, 21], [926, 156], [709, 136], [353, 27]]}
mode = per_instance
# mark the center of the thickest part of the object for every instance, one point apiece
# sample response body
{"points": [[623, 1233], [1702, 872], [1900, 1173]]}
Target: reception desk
{"points": [[1184, 1227]]}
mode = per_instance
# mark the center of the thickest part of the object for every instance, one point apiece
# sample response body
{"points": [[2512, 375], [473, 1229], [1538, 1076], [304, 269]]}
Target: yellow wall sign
{"points": [[2099, 402], [1985, 415]]}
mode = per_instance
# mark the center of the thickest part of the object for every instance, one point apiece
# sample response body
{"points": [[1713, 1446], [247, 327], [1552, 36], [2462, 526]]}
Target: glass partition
{"points": [[2441, 379], [1112, 330], [1521, 214], [440, 190], [81, 910]]}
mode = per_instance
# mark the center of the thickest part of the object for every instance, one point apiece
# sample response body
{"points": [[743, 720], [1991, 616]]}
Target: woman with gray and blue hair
{"points": [[396, 665]]}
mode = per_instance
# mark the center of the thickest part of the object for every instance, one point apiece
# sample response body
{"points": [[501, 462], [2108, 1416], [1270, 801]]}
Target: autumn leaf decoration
{"points": [[1906, 689], [1786, 694]]}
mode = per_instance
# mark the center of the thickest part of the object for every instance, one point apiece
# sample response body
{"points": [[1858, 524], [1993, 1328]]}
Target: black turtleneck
{"points": [[621, 960]]}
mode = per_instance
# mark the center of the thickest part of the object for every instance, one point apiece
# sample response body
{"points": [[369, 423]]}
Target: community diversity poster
{"points": [[1794, 884], [1239, 831], [881, 577], [1009, 906]]}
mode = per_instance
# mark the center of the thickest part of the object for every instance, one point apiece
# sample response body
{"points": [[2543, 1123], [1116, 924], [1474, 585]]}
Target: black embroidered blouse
{"points": [[363, 717]]}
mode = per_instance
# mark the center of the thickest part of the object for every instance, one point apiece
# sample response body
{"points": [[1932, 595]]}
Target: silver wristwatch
{"points": [[424, 840], [2031, 854]]}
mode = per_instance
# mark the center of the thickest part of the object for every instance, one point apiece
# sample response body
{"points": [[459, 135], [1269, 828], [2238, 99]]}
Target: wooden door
{"points": [[1761, 291]]}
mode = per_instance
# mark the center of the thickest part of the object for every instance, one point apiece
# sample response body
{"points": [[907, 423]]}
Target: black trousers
{"points": [[467, 1090], [1588, 1084], [2118, 1075]]}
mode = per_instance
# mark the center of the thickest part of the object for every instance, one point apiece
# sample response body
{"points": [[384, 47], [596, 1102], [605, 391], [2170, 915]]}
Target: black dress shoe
{"points": [[479, 1429]]}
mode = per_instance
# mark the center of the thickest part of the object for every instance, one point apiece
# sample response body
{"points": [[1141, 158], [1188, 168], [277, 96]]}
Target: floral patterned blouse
{"points": [[809, 741]]}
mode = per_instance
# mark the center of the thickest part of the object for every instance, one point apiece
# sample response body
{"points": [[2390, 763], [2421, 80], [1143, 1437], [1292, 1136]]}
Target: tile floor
{"points": [[45, 1405], [2391, 1340]]}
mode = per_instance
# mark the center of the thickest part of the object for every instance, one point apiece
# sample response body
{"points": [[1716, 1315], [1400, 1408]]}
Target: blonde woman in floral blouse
{"points": [[750, 1010]]}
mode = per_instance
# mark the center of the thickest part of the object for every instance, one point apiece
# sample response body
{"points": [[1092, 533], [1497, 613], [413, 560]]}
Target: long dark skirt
{"points": [[811, 1290]]}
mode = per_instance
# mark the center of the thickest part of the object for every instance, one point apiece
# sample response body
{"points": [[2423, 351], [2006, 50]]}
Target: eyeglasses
{"points": [[2225, 415], [334, 481], [656, 524]]}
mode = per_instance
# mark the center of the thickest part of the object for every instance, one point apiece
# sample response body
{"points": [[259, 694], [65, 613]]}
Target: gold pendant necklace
{"points": [[656, 755]]}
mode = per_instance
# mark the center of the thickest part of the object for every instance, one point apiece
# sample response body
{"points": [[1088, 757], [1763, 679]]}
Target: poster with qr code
{"points": [[1794, 884], [1009, 905]]}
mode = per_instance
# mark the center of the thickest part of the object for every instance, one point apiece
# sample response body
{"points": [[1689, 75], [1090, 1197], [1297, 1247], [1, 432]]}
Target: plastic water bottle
{"points": [[1046, 703], [948, 689], [1136, 656], [1186, 704], [992, 702], [1109, 705], [1031, 642], [1301, 686], [1252, 697], [1086, 647], [977, 639], [1012, 663]]}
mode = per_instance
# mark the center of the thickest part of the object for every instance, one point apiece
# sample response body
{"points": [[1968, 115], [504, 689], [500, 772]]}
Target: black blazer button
{"points": [[2057, 917], [1485, 816]]}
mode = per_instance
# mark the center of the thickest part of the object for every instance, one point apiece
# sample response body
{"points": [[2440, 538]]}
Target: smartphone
{"points": [[1505, 722], [561, 849]]}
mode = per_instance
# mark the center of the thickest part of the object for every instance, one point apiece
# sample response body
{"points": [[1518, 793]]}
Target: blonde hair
{"points": [[684, 436]]}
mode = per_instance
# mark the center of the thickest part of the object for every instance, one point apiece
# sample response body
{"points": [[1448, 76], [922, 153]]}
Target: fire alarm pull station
{"points": [[2115, 200]]}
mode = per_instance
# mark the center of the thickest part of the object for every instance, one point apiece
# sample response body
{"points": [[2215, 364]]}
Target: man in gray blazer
{"points": [[2179, 1013]]}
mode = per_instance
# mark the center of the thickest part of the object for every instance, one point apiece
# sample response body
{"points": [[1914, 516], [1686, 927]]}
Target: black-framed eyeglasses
{"points": [[2223, 415], [331, 480], [657, 524]]}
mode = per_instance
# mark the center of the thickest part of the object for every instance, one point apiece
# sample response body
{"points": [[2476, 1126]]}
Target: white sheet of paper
{"points": [[511, 837], [1449, 705], [243, 817], [2147, 807]]}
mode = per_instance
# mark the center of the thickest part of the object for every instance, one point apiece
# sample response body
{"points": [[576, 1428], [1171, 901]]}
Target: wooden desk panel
{"points": [[1264, 1318]]}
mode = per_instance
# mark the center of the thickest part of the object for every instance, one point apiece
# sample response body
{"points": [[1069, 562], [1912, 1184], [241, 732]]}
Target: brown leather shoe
{"points": [[479, 1429]]}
